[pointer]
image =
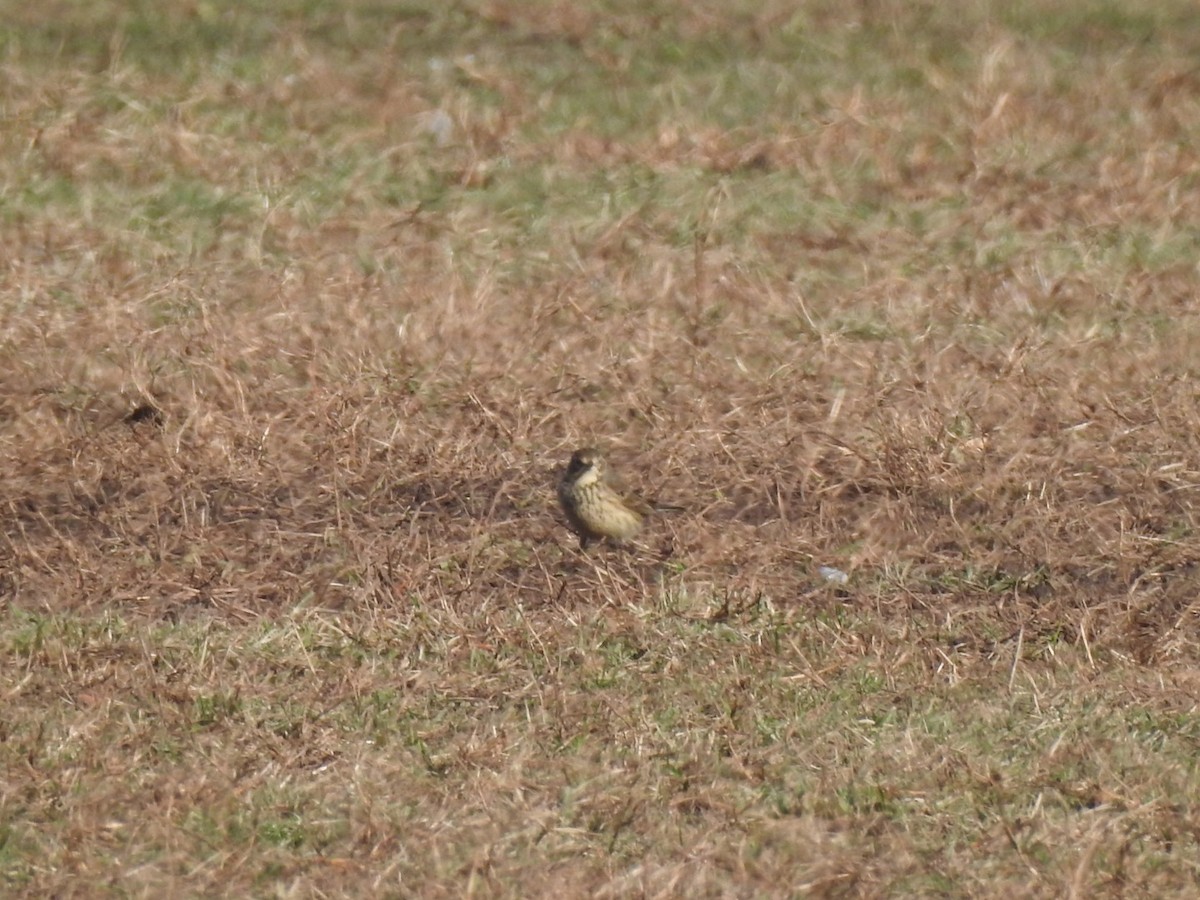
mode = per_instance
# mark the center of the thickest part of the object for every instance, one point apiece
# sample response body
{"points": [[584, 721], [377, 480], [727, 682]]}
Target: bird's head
{"points": [[586, 466]]}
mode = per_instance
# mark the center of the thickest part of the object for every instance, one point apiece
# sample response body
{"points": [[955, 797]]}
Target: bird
{"points": [[597, 503]]}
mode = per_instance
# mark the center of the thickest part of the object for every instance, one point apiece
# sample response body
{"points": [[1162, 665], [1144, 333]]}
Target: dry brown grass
{"points": [[301, 313]]}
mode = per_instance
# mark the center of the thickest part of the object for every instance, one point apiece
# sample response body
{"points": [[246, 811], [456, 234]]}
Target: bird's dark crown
{"points": [[581, 460]]}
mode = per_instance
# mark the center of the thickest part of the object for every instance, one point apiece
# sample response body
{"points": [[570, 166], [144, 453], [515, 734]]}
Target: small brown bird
{"points": [[597, 504]]}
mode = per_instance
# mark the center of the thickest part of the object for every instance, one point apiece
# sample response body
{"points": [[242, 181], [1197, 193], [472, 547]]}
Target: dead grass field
{"points": [[303, 306]]}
